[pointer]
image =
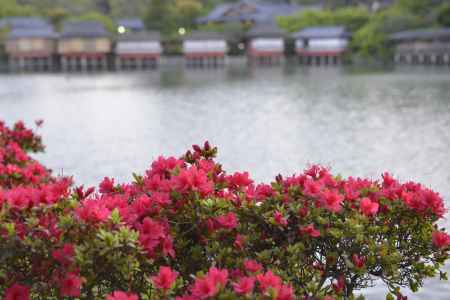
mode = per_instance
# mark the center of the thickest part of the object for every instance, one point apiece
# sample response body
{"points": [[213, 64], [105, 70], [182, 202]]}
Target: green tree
{"points": [[417, 7], [159, 16], [443, 15], [57, 15], [186, 12], [95, 16], [371, 41], [351, 18], [11, 8]]}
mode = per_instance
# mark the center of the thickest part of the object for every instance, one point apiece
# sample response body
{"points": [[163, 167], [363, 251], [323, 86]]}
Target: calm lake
{"points": [[264, 120]]}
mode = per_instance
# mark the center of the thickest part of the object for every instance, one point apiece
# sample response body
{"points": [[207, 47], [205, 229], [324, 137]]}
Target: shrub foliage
{"points": [[188, 230]]}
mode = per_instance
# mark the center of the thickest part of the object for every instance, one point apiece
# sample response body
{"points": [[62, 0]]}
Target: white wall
{"points": [[125, 47], [204, 46], [267, 44], [323, 44]]}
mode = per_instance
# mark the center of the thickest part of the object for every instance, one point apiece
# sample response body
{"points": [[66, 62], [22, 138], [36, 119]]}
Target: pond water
{"points": [[264, 120]]}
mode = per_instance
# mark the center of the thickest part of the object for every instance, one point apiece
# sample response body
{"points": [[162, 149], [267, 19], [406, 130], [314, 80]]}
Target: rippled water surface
{"points": [[266, 121]]}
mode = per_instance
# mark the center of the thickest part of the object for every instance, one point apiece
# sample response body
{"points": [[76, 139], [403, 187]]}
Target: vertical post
{"points": [[118, 64], [104, 63], [446, 58], [421, 58], [140, 63], [21, 63], [64, 65], [433, 59], [84, 63], [408, 58]]}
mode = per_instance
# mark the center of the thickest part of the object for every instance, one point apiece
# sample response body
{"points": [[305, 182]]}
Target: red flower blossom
{"points": [[312, 188], [193, 179], [368, 207], [239, 242], [94, 211], [218, 277], [332, 200], [228, 221], [64, 255], [339, 284], [238, 180], [252, 266], [70, 286], [268, 280], [280, 219], [244, 286], [285, 292], [203, 288], [119, 295], [310, 230], [358, 261], [441, 239], [17, 292], [106, 186], [165, 278]]}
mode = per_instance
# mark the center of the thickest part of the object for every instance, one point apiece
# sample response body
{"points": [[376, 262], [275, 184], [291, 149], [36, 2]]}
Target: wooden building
{"points": [[140, 50], [321, 45], [425, 47], [84, 46], [205, 49], [265, 44], [31, 48]]}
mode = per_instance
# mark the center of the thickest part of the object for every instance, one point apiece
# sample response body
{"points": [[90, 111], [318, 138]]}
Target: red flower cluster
{"points": [[187, 214]]}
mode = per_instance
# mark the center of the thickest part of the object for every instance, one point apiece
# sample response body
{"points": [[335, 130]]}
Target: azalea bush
{"points": [[186, 229]]}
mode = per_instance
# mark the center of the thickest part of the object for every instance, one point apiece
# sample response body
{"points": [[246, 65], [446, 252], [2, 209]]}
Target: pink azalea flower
{"points": [[441, 239], [228, 221], [268, 280], [106, 186], [244, 286], [239, 242], [310, 230], [218, 277], [368, 207], [252, 266], [238, 180], [64, 255], [280, 219], [70, 286], [17, 292], [358, 261], [285, 292], [119, 295], [165, 278], [312, 188], [332, 201], [203, 288]]}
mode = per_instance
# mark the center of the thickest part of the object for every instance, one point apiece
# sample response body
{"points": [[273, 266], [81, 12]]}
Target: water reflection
{"points": [[265, 120]]}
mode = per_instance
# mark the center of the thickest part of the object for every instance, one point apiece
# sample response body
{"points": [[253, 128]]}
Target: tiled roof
{"points": [[140, 36], [205, 35], [83, 29], [322, 32], [253, 10], [265, 30], [421, 34], [134, 24], [44, 32], [23, 22]]}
